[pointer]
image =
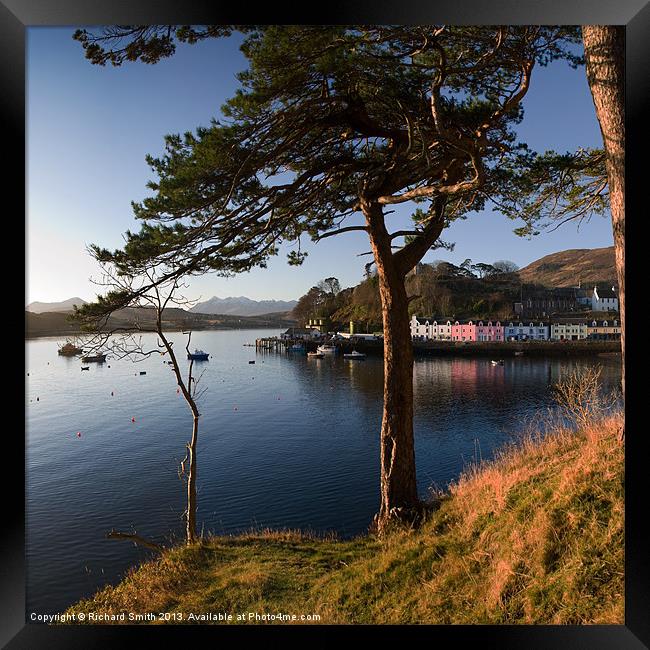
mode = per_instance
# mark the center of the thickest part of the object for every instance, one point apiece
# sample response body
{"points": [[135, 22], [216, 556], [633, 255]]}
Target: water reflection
{"points": [[287, 441]]}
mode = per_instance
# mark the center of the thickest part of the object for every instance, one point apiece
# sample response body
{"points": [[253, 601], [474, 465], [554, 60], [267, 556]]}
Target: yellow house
{"points": [[318, 323], [604, 330]]}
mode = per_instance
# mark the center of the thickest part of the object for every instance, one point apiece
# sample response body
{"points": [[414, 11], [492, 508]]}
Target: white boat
{"points": [[326, 349], [315, 355], [497, 363], [354, 355]]}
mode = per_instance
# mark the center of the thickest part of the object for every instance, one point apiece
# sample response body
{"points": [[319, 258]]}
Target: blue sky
{"points": [[89, 129]]}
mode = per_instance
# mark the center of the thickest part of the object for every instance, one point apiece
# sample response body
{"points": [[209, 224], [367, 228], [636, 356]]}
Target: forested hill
{"points": [[471, 290], [567, 268]]}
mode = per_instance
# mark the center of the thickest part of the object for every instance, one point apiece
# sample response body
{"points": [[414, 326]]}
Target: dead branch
{"points": [[136, 539]]}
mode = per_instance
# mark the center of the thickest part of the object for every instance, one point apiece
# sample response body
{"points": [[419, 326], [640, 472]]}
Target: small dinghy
{"points": [[499, 362], [355, 355], [315, 355]]}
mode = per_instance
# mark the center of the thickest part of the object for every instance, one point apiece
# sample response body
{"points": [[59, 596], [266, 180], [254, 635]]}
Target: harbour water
{"points": [[287, 442]]}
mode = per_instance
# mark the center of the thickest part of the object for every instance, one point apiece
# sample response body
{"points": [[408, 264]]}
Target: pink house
{"points": [[463, 331], [489, 331]]}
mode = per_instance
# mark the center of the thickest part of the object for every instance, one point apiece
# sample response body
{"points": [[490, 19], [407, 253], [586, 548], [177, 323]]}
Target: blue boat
{"points": [[198, 355]]}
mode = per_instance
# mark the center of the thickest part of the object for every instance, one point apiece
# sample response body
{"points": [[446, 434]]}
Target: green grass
{"points": [[536, 536]]}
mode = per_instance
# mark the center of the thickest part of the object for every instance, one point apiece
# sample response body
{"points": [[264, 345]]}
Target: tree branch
{"points": [[136, 539], [340, 230]]}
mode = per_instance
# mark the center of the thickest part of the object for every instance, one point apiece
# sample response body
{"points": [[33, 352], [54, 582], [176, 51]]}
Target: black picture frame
{"points": [[17, 15]]}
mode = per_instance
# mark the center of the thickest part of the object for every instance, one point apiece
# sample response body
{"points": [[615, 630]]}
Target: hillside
{"points": [[450, 291], [57, 323], [534, 537], [242, 306], [567, 268]]}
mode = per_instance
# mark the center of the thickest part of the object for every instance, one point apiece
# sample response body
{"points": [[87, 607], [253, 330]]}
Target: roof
{"points": [[606, 292], [534, 291], [569, 321], [298, 331]]}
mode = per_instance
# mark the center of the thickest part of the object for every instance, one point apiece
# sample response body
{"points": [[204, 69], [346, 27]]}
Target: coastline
{"points": [[504, 544]]}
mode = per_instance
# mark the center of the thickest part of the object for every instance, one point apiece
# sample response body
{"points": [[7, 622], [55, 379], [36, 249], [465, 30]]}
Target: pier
{"points": [[450, 348]]}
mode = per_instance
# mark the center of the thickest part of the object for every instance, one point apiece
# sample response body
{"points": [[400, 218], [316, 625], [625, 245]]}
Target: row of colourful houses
{"points": [[430, 329]]}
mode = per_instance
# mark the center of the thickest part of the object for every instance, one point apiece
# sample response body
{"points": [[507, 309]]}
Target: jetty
{"points": [[450, 348]]}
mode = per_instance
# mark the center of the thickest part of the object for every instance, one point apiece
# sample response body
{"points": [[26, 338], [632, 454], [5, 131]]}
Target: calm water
{"points": [[286, 442]]}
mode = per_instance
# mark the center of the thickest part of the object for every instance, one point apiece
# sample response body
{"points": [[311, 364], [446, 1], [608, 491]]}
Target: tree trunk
{"points": [[605, 58], [186, 389], [399, 498], [191, 483]]}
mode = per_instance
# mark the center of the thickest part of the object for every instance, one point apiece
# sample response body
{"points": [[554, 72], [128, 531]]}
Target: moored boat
{"points": [[315, 355], [326, 349], [355, 355], [499, 362], [198, 355], [94, 358], [70, 350]]}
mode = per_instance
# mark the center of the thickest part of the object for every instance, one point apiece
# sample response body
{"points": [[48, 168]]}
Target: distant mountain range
{"points": [[65, 305], [242, 306], [57, 323], [586, 266]]}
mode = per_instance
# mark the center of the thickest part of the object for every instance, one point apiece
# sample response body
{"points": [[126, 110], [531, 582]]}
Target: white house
{"points": [[604, 299], [425, 329], [419, 328], [440, 331], [575, 331]]}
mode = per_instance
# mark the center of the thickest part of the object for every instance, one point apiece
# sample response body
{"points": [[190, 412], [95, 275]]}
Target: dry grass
{"points": [[535, 536]]}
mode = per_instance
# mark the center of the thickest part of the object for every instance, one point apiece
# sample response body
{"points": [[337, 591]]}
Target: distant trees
{"points": [[308, 305], [484, 270], [505, 266], [330, 286], [337, 121], [321, 301]]}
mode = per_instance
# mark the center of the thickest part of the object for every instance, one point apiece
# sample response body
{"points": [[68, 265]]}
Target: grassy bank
{"points": [[535, 536]]}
